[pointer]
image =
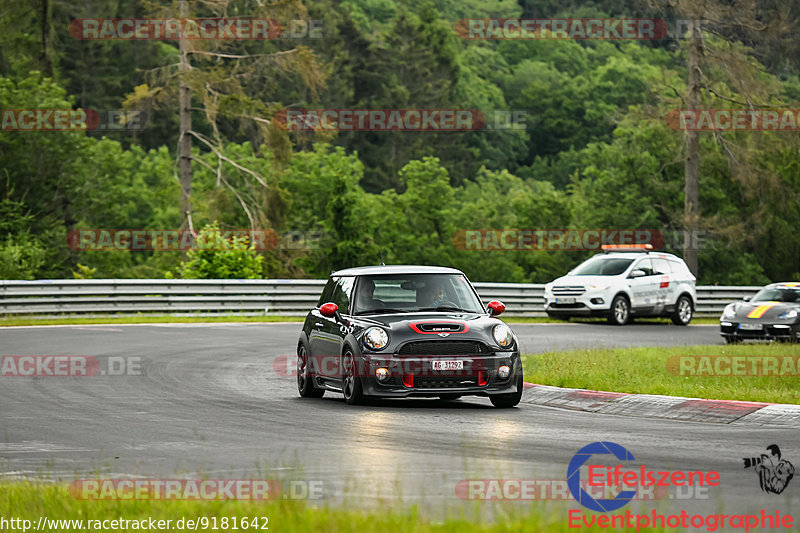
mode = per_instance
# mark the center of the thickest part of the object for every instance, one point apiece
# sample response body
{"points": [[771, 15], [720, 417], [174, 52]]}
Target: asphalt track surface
{"points": [[208, 402]]}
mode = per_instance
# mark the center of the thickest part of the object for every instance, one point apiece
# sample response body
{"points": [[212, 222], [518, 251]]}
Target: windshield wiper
{"points": [[444, 308], [382, 310]]}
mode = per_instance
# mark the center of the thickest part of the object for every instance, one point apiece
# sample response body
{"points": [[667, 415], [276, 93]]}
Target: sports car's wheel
{"points": [[729, 339], [620, 312], [683, 311], [351, 382], [305, 383], [504, 401]]}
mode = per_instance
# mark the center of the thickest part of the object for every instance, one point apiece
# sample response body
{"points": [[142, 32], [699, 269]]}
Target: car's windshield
{"points": [[602, 266], [408, 293], [778, 294]]}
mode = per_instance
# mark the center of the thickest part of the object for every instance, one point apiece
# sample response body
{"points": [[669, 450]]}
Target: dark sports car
{"points": [[407, 331], [773, 313]]}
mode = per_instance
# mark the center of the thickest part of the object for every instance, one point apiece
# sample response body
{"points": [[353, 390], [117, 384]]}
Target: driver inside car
{"points": [[434, 295]]}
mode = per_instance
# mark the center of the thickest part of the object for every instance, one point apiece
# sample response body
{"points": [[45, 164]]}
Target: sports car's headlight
{"points": [[788, 315], [502, 335], [730, 311], [375, 338]]}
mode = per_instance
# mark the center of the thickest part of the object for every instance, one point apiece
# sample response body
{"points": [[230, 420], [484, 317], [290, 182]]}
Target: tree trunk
{"points": [[185, 139], [691, 202]]}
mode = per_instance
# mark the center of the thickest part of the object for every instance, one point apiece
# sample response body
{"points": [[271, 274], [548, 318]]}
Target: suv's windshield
{"points": [[777, 294], [602, 266], [414, 292]]}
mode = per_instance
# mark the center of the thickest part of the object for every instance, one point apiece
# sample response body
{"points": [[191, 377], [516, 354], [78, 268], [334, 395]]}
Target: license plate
{"points": [[565, 300], [448, 365], [753, 327]]}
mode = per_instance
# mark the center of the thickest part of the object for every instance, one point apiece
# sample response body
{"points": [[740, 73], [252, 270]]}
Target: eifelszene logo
{"points": [[774, 473]]}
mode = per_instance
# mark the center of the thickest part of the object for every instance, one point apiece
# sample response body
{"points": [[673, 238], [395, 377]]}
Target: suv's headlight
{"points": [[375, 338], [598, 287], [788, 315], [502, 335], [730, 311]]}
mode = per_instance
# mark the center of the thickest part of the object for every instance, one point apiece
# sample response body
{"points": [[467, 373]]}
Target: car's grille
{"points": [[444, 348], [445, 383], [568, 290]]}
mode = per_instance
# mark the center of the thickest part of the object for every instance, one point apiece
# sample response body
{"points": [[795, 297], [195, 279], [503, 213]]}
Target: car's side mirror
{"points": [[637, 273], [329, 310], [747, 298], [496, 308]]}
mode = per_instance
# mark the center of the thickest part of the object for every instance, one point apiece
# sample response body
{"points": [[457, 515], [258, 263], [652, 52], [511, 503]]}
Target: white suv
{"points": [[625, 282]]}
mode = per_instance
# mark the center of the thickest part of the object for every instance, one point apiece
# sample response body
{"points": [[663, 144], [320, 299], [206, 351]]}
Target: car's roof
{"points": [[787, 284], [395, 269]]}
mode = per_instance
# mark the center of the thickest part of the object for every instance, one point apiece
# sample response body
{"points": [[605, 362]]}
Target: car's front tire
{"points": [[683, 311], [305, 383], [730, 339], [620, 312], [351, 382], [504, 401]]}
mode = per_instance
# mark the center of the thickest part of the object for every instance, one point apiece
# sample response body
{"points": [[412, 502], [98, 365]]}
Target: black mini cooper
{"points": [[407, 331]]}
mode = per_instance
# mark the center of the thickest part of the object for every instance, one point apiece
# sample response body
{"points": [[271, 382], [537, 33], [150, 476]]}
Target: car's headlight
{"points": [[375, 338], [598, 287], [730, 311], [788, 315], [502, 335]]}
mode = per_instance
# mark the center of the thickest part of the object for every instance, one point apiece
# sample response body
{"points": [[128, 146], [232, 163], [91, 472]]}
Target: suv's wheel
{"points": [[504, 401], [620, 312], [305, 383], [351, 382], [683, 311]]}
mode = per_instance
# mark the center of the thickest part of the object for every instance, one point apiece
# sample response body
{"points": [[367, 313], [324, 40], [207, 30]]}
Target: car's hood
{"points": [[399, 321], [763, 311]]}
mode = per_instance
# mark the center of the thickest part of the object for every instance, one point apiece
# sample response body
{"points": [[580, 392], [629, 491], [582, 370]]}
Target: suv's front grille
{"points": [[568, 290], [444, 348]]}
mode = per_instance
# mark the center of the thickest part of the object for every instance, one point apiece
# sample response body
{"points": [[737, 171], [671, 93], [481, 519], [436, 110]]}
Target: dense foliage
{"points": [[587, 144]]}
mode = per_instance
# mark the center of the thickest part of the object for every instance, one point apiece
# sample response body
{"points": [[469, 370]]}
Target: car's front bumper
{"points": [[782, 331], [589, 303], [431, 383]]}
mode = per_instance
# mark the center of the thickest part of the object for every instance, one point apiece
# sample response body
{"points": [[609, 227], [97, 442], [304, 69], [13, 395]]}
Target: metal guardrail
{"points": [[288, 297]]}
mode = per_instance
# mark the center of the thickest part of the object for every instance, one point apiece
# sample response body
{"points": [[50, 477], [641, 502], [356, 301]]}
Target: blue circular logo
{"points": [[574, 477]]}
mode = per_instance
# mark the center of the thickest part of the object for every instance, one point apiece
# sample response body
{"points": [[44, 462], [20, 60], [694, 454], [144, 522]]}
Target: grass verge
{"points": [[654, 370], [29, 501]]}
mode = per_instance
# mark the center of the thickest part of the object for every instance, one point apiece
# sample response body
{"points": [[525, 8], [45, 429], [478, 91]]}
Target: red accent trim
{"points": [[483, 378], [408, 380], [664, 282], [328, 309], [413, 325]]}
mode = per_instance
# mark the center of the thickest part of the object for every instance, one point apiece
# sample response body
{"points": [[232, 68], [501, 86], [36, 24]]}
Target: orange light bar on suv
{"points": [[626, 247]]}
